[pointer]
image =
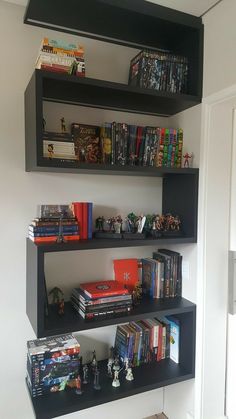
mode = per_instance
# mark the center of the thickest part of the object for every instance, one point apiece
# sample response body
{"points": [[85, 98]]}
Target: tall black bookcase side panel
{"points": [[35, 288], [180, 197], [137, 24]]}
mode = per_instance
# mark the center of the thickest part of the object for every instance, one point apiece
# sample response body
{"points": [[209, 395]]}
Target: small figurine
{"points": [[187, 157], [137, 294], [111, 221], [99, 223], [116, 381], [60, 237], [44, 124], [94, 362], [140, 223], [110, 362], [129, 375], [126, 363], [116, 365], [85, 374], [63, 124], [61, 307], [57, 295], [78, 385], [96, 384]]}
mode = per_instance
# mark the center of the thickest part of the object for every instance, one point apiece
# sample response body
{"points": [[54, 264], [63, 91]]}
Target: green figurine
{"points": [[57, 295]]}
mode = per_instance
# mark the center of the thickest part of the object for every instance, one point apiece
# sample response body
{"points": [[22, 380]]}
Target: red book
{"points": [[53, 238], [160, 342], [78, 213], [101, 289], [126, 272], [85, 221]]}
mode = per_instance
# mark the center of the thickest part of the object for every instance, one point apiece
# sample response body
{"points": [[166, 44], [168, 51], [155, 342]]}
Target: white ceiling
{"points": [[194, 7]]}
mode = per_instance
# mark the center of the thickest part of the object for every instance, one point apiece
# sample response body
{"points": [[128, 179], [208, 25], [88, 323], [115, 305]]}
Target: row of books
{"points": [[83, 211], [61, 57], [148, 340], [101, 299], [159, 70], [52, 364], [162, 274], [116, 143]]}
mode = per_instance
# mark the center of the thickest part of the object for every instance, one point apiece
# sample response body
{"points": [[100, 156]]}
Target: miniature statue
{"points": [[132, 220], [117, 227], [126, 363], [137, 294], [60, 237], [96, 384], [177, 222], [116, 381], [110, 362], [116, 365], [99, 223], [140, 223], [61, 307], [94, 362], [129, 375], [57, 295], [85, 374], [63, 125], [111, 221], [187, 157], [78, 385]]}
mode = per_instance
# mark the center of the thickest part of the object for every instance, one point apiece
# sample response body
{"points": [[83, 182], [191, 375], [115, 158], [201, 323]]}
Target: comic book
{"points": [[87, 143]]}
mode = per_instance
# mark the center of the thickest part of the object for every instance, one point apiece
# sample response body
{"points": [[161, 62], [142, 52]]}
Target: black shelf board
{"points": [[84, 91], [57, 165], [71, 321], [144, 24], [146, 377], [108, 243]]}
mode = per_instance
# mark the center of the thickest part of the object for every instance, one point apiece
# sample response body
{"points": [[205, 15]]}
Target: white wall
{"points": [[21, 192]]}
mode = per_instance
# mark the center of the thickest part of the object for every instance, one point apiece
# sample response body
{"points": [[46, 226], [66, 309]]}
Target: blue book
{"points": [[54, 229], [90, 220], [174, 338]]}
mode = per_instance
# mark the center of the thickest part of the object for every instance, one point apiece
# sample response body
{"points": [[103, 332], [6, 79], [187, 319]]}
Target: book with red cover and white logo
{"points": [[126, 272], [100, 289]]}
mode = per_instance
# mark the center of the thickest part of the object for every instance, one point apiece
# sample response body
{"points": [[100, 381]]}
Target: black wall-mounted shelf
{"points": [[147, 377]]}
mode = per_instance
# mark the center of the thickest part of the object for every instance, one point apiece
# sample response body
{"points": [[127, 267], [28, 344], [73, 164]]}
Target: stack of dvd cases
{"points": [[52, 364]]}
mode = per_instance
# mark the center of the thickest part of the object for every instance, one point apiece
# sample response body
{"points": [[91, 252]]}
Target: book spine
{"points": [[78, 212], [85, 220], [53, 238], [90, 220]]}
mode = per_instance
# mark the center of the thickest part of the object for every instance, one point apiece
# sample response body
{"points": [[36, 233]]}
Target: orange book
{"points": [[126, 272], [53, 238]]}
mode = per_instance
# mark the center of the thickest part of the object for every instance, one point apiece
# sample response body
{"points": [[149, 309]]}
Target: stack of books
{"points": [[61, 57], [54, 221], [58, 146], [52, 364], [101, 299], [148, 340]]}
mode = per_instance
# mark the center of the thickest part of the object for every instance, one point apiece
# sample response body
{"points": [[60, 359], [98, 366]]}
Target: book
{"points": [[100, 289], [126, 272], [87, 143], [90, 220], [174, 338], [53, 238], [77, 209], [51, 211], [106, 143]]}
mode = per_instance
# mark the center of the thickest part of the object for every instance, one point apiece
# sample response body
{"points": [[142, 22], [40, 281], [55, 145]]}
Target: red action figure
{"points": [[187, 157]]}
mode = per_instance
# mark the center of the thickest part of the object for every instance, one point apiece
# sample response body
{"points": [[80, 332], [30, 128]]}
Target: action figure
{"points": [[116, 381], [60, 237], [85, 374], [57, 295], [110, 362], [96, 384], [116, 365], [78, 385], [129, 375], [61, 307], [94, 362], [187, 157], [99, 223], [63, 125], [111, 222], [137, 294], [140, 223]]}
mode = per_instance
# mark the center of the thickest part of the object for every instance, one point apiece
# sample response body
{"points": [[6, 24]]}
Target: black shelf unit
{"points": [[139, 24], [54, 87], [144, 25], [147, 377]]}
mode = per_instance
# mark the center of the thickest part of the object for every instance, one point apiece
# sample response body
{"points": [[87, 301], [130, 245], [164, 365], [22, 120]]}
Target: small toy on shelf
{"points": [[96, 384], [129, 374], [63, 124], [60, 237], [85, 374], [61, 307], [134, 226], [94, 362], [137, 294], [187, 157], [99, 223], [78, 385], [116, 381], [110, 362]]}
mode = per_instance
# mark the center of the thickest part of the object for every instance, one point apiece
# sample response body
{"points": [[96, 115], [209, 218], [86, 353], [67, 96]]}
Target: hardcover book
{"points": [[87, 143], [126, 272], [100, 289]]}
